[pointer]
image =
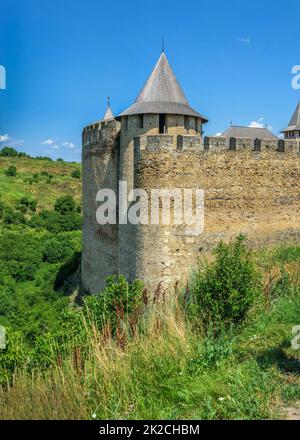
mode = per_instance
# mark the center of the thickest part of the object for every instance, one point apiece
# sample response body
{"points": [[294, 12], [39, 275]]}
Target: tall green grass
{"points": [[164, 365]]}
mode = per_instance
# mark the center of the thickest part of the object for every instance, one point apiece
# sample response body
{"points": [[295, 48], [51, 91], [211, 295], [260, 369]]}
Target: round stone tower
{"points": [[160, 119], [100, 150]]}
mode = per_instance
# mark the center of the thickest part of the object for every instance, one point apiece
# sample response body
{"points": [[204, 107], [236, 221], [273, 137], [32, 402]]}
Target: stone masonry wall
{"points": [[255, 193]]}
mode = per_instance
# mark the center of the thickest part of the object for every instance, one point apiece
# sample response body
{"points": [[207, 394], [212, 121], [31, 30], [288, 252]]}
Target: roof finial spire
{"points": [[108, 113], [163, 44]]}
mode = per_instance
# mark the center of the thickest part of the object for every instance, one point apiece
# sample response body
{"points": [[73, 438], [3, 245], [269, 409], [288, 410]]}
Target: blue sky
{"points": [[63, 58]]}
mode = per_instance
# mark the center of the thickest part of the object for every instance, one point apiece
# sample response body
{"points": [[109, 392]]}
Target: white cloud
{"points": [[260, 124], [244, 40], [55, 147], [69, 145], [48, 142], [9, 141], [218, 134], [4, 137], [255, 124]]}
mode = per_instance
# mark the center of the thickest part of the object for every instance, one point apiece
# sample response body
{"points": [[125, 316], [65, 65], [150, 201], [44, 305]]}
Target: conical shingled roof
{"points": [[162, 94], [295, 121], [162, 85]]}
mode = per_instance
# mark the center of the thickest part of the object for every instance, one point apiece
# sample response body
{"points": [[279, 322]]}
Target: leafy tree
{"points": [[9, 152]]}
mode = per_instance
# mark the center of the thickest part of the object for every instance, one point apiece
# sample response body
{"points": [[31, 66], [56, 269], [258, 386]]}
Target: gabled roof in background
{"points": [[248, 132], [162, 94], [295, 121]]}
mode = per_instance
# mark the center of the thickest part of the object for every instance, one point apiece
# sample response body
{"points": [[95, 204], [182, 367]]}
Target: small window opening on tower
{"points": [[162, 123], [186, 122], [141, 121]]}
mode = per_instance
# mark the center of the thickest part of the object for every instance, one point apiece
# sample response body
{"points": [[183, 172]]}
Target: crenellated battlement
{"points": [[99, 132], [218, 143], [166, 142]]}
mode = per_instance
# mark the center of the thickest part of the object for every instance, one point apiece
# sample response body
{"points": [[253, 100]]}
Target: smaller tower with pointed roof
{"points": [[293, 130]]}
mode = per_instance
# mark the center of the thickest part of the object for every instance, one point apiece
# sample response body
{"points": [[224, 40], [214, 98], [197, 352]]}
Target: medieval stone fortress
{"points": [[249, 176]]}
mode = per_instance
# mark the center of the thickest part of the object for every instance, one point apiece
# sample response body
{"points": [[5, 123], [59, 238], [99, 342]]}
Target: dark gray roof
{"points": [[248, 132], [295, 121], [162, 94]]}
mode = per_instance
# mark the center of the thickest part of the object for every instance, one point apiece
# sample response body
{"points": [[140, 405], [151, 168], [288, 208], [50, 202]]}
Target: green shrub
{"points": [[67, 269], [283, 286], [36, 221], [212, 351], [12, 217], [119, 300], [223, 292], [43, 158], [56, 222], [2, 208], [21, 154], [56, 250], [46, 174], [20, 248], [13, 356], [35, 178], [65, 204], [11, 171], [23, 270], [25, 203], [71, 221], [76, 174], [7, 301]]}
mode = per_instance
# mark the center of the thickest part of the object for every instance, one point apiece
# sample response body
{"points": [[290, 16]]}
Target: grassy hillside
{"points": [[43, 180], [40, 241]]}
